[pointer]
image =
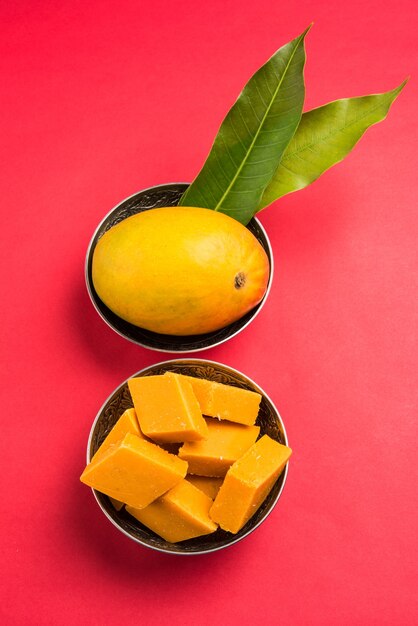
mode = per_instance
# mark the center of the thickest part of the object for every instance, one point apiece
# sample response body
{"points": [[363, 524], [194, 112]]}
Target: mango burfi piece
{"points": [[210, 485], [225, 401], [116, 504], [225, 444], [202, 389], [127, 423], [167, 409], [181, 513], [134, 471], [248, 483]]}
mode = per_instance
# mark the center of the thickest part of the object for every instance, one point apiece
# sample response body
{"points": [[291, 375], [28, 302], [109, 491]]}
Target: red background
{"points": [[102, 99]]}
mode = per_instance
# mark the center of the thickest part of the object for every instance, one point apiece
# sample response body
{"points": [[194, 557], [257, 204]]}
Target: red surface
{"points": [[102, 99]]}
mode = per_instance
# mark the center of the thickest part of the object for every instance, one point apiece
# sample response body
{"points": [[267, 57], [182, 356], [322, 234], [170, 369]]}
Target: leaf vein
{"points": [[254, 140], [340, 129]]}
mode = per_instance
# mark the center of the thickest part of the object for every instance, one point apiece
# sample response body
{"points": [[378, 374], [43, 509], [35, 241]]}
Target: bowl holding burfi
{"points": [[187, 456]]}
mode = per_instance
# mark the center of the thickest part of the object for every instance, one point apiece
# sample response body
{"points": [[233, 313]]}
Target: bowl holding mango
{"points": [[176, 279], [187, 456]]}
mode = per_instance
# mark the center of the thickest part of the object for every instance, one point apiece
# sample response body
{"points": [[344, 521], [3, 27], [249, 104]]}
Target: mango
{"points": [[180, 270]]}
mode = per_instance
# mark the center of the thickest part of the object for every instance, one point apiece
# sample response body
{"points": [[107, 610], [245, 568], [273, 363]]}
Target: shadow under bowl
{"points": [[151, 198], [270, 424]]}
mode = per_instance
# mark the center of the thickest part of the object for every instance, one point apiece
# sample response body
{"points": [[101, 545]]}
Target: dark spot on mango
{"points": [[239, 280]]}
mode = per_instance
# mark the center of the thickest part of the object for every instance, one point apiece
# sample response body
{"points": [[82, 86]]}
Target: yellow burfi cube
{"points": [[210, 485], [167, 408], [134, 471], [116, 504], [181, 513], [127, 423], [225, 401], [248, 482], [226, 442]]}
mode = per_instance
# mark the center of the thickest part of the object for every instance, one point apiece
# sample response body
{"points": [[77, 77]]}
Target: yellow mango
{"points": [[180, 270]]}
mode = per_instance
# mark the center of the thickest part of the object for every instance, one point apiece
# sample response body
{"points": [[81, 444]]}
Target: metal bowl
{"points": [[268, 419], [153, 197]]}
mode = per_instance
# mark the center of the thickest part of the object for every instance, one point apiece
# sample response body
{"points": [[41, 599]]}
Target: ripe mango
{"points": [[180, 270]]}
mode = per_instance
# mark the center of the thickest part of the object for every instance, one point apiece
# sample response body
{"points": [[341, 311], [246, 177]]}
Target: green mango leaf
{"points": [[253, 136], [324, 137]]}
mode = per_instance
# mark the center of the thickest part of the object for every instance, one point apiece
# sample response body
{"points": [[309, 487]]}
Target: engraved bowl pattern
{"points": [[268, 419], [154, 197]]}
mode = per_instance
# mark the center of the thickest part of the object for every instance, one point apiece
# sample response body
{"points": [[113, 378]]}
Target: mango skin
{"points": [[180, 270]]}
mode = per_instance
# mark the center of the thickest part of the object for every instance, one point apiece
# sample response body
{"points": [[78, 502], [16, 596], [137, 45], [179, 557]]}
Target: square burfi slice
{"points": [[225, 444], [134, 471], [181, 513], [248, 482], [118, 506], [210, 485], [167, 408], [225, 402], [127, 423]]}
